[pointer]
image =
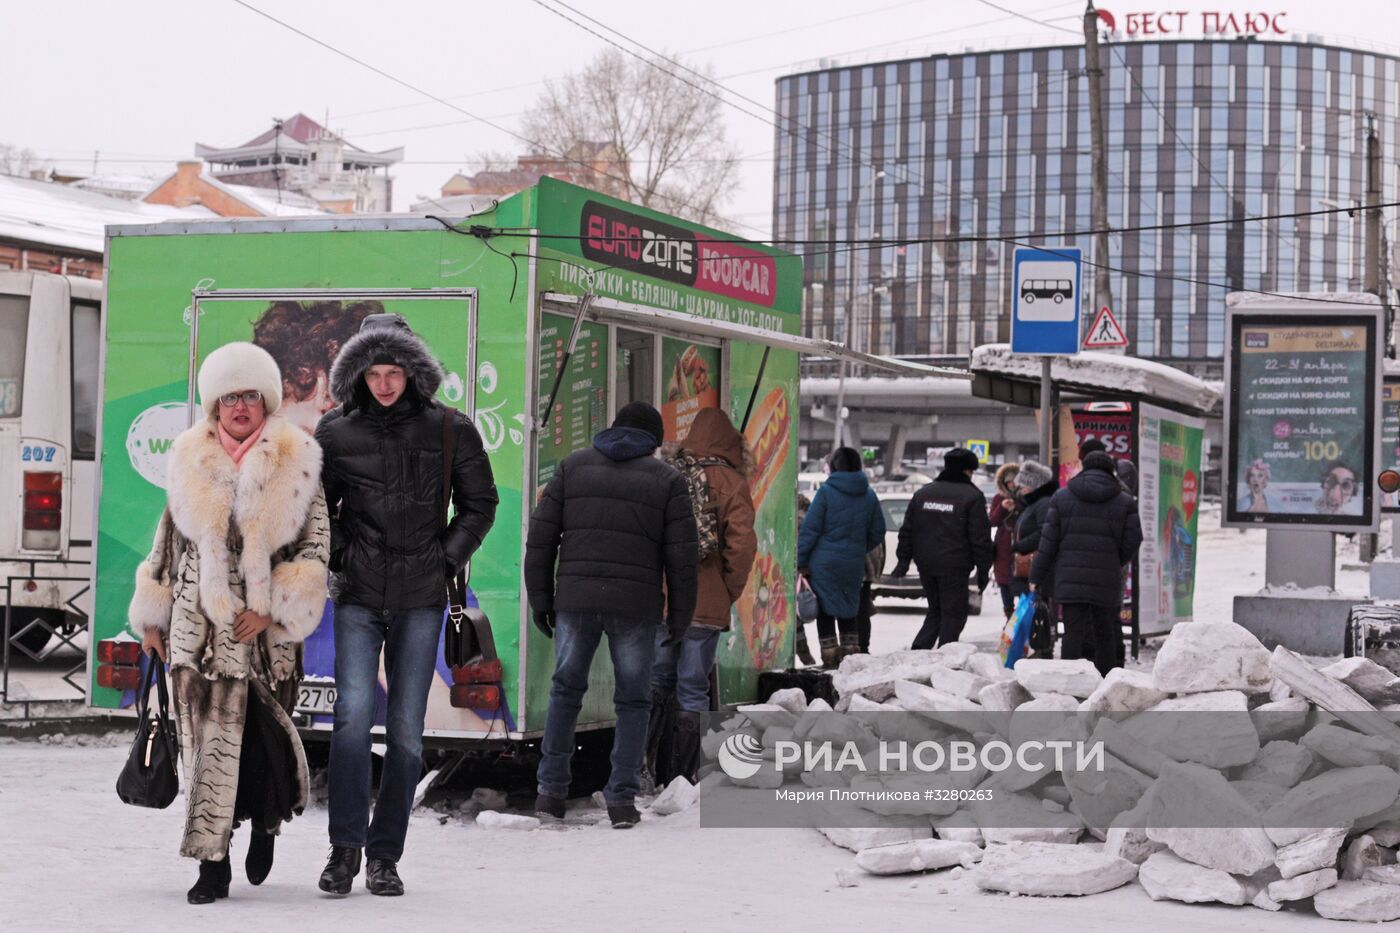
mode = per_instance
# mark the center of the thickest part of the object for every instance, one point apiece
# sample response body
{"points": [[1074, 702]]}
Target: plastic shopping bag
{"points": [[1017, 632], [806, 601]]}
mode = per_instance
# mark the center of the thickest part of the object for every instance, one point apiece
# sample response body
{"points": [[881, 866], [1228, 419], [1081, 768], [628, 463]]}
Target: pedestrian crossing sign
{"points": [[1105, 332], [981, 449]]}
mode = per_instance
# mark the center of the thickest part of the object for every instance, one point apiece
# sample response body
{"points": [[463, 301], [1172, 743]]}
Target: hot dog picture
{"points": [[767, 437], [763, 610]]}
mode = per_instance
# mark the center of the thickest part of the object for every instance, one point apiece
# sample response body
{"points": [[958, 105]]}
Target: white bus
{"points": [[50, 339]]}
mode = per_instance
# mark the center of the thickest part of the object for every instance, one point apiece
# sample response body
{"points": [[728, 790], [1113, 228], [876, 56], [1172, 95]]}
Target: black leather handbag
{"points": [[148, 778]]}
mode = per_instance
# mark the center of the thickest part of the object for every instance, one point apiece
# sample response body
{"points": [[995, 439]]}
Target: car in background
{"points": [[809, 483]]}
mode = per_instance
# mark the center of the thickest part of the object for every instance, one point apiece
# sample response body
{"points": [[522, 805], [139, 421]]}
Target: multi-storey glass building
{"points": [[995, 145]]}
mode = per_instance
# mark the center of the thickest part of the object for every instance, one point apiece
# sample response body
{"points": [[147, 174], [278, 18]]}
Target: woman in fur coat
{"points": [[235, 581]]}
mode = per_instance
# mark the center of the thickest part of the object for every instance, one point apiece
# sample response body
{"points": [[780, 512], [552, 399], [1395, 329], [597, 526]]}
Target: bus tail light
{"points": [[43, 512], [476, 696]]}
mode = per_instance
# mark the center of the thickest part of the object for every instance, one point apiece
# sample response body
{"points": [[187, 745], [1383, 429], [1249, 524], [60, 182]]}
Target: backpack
{"points": [[706, 512]]}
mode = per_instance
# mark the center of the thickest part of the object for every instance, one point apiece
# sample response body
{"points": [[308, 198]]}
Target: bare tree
{"points": [[490, 161], [22, 162], [654, 139]]}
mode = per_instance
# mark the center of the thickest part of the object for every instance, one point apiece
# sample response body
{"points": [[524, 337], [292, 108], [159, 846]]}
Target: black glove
{"points": [[983, 578], [675, 631], [544, 621], [901, 569]]}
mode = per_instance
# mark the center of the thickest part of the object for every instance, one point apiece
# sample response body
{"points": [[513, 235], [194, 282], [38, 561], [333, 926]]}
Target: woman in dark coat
{"points": [[1003, 513], [842, 526], [1035, 484]]}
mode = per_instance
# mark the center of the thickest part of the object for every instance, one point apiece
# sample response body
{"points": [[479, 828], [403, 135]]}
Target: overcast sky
{"points": [[141, 81]]}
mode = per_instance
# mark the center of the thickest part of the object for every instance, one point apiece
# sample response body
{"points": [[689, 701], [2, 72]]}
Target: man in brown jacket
{"points": [[684, 667]]}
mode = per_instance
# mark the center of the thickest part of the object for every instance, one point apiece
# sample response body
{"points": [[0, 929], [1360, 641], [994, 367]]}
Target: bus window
{"points": [[636, 368], [14, 332], [87, 334]]}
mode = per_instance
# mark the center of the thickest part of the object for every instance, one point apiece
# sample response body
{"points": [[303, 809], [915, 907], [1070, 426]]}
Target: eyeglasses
{"points": [[1331, 482], [249, 398]]}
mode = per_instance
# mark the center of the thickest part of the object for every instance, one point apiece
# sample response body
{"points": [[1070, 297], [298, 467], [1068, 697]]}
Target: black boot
{"points": [[831, 652], [213, 882], [850, 644], [685, 755], [259, 861], [382, 878], [624, 816], [341, 869]]}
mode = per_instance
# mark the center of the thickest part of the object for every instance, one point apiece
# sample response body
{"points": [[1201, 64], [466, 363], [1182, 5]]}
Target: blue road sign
{"points": [[1045, 305]]}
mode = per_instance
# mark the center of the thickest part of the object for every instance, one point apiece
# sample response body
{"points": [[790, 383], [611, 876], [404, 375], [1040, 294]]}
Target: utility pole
{"points": [[1098, 144], [1370, 543]]}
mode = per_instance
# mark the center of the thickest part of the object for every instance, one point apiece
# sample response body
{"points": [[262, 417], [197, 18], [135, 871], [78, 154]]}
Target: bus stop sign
{"points": [[1045, 306]]}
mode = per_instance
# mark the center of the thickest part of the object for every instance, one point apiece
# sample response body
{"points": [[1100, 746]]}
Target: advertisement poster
{"points": [[1169, 505], [691, 379], [1390, 437], [1302, 420]]}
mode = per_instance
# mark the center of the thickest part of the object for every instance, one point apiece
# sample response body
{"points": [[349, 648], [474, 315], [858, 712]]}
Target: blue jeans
{"points": [[685, 668], [410, 643], [630, 643]]}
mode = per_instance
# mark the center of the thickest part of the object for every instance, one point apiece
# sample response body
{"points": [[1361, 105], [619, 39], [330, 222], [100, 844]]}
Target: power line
{"points": [[446, 103]]}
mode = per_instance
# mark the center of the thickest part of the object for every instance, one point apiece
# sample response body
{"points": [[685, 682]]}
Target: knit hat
{"points": [[1098, 460], [642, 416], [237, 367], [960, 459], [1090, 446], [1033, 475]]}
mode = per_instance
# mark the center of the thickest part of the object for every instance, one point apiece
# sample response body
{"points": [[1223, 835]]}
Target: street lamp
{"points": [[850, 310], [852, 343]]}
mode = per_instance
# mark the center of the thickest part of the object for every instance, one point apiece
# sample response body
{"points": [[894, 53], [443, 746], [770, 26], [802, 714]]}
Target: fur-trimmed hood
{"points": [[268, 498], [404, 347]]}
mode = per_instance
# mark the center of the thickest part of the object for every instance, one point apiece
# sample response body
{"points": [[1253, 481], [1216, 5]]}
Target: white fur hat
{"points": [[235, 367]]}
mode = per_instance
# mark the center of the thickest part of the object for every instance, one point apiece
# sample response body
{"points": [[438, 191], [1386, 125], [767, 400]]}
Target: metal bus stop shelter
{"points": [[1096, 377]]}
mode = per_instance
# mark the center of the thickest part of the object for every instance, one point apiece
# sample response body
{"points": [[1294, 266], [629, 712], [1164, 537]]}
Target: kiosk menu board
{"points": [[581, 408], [1302, 420]]}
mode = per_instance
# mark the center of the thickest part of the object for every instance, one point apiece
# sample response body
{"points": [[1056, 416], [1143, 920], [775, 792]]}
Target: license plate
{"points": [[316, 698]]}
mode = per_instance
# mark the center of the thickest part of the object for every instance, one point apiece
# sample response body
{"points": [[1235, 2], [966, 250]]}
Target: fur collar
{"points": [[406, 348], [267, 500]]}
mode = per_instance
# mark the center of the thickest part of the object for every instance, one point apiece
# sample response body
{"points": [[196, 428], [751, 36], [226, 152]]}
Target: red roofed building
{"points": [[589, 165]]}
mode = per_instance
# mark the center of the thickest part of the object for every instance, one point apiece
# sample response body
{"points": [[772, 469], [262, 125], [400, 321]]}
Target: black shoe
{"points": [[259, 861], [624, 817], [382, 878], [552, 807], [213, 882], [341, 869]]}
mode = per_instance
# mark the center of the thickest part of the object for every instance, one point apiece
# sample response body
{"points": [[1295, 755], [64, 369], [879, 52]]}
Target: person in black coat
{"points": [[1091, 532], [612, 523], [947, 534], [392, 551]]}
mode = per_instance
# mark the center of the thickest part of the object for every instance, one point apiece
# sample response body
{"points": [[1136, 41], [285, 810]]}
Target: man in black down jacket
{"points": [[616, 521], [1091, 532], [947, 534], [392, 551]]}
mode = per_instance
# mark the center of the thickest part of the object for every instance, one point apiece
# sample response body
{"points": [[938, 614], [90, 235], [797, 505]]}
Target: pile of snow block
{"points": [[1290, 800]]}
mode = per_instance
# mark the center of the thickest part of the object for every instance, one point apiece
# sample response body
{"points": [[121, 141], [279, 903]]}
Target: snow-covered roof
{"points": [[1105, 374], [116, 184], [266, 200], [50, 214]]}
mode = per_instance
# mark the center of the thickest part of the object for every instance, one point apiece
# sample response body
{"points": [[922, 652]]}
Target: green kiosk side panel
{"points": [[152, 274]]}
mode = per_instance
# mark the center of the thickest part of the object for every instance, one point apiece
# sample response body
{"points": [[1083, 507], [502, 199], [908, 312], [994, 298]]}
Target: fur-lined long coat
{"points": [[254, 537]]}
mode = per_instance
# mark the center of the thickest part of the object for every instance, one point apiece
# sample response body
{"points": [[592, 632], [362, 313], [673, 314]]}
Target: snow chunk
{"points": [[1123, 691], [921, 855], [1044, 675], [1049, 870], [1366, 901], [1165, 877], [494, 819], [679, 795], [1203, 657], [1332, 799]]}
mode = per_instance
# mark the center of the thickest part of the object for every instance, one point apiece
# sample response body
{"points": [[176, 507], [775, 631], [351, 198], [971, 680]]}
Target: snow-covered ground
{"points": [[72, 857]]}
